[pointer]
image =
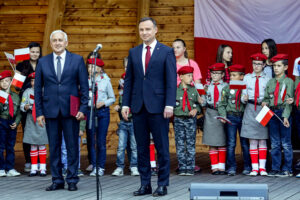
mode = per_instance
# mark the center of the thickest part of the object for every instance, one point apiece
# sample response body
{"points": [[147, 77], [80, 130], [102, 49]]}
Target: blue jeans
{"points": [[64, 156], [280, 139], [90, 137], [7, 143], [231, 130], [297, 116], [126, 133]]}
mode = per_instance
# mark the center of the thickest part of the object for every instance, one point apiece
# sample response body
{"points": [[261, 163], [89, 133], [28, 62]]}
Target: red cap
{"points": [[123, 75], [99, 62], [32, 75], [279, 57], [237, 68], [185, 70], [5, 74], [217, 67], [259, 56]]}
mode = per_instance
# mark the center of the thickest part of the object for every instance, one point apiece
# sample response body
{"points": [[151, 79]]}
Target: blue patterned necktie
{"points": [[58, 70]]}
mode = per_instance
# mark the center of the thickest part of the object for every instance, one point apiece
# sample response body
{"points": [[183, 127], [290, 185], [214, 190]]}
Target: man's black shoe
{"points": [[143, 190], [72, 187], [55, 186], [160, 191]]}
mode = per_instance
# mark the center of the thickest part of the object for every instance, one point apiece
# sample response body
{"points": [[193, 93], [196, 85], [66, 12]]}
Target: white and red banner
{"points": [[22, 54], [237, 85], [264, 116], [10, 58], [3, 96], [200, 88], [244, 24], [18, 80]]}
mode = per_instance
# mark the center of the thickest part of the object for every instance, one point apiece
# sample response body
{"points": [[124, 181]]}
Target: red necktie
{"points": [[276, 92], [237, 98], [148, 56], [34, 112], [10, 106], [216, 93], [256, 91], [297, 94], [185, 100]]}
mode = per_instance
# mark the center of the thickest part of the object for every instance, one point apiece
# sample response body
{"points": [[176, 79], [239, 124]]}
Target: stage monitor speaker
{"points": [[216, 191]]}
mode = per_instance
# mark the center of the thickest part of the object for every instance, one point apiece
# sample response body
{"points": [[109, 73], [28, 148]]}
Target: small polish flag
{"points": [[22, 54], [283, 92], [264, 116], [18, 80], [3, 96], [10, 58], [200, 88], [239, 85]]}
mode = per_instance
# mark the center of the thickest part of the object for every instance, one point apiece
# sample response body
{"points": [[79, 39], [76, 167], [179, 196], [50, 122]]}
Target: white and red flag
{"points": [[18, 80], [3, 96], [237, 85], [264, 116], [244, 24], [10, 58], [283, 92], [22, 54], [200, 88]]}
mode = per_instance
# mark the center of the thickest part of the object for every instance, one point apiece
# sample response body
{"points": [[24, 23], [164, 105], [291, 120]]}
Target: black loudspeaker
{"points": [[211, 191]]}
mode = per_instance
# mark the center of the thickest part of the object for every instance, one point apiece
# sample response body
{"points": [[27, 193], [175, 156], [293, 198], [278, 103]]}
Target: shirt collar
{"points": [[281, 78], [220, 81], [63, 55], [262, 74], [152, 45]]}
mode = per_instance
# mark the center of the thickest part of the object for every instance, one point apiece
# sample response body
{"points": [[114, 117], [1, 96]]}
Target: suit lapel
{"points": [[67, 63], [154, 55], [140, 61], [52, 65]]}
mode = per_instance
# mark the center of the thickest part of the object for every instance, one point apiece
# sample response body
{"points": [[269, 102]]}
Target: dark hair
{"points": [[220, 53], [272, 47], [148, 18], [285, 62], [183, 42]]}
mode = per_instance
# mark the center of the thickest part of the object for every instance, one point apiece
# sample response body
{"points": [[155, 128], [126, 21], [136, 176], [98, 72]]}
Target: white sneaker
{"points": [[253, 173], [100, 172], [2, 173], [118, 172], [27, 167], [134, 171], [89, 168], [13, 172], [263, 173]]}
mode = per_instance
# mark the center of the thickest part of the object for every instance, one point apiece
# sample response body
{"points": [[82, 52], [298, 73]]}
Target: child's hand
{"points": [[200, 100], [289, 101], [100, 104], [286, 122], [117, 108], [263, 104], [245, 97], [80, 133], [193, 112], [13, 126], [223, 121], [26, 107]]}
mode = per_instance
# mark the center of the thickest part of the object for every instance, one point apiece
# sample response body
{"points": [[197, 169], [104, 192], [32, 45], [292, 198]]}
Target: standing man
{"points": [[59, 75], [150, 94]]}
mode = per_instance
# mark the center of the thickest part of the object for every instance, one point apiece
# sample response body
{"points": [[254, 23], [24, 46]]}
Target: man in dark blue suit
{"points": [[60, 75], [150, 94]]}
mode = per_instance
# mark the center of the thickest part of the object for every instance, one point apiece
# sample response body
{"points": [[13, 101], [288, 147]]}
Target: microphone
{"points": [[99, 46]]}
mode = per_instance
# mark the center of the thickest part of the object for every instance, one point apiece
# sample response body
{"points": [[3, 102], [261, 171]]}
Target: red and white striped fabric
{"points": [[264, 116], [244, 25], [22, 54], [18, 80], [10, 58], [3, 96], [238, 85]]}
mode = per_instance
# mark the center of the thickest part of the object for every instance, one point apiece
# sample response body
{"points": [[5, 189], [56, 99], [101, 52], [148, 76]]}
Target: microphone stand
{"points": [[93, 116]]}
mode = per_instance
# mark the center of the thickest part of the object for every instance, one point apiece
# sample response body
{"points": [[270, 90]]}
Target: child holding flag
{"points": [[277, 91], [10, 117], [33, 133], [230, 107]]}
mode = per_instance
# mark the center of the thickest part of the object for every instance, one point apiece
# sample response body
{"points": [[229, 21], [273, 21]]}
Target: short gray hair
{"points": [[59, 31]]}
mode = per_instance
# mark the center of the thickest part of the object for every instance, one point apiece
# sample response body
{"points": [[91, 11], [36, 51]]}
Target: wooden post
{"points": [[54, 20], [143, 11]]}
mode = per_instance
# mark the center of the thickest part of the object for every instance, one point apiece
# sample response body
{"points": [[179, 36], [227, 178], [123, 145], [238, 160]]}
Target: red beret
{"points": [[217, 67], [99, 62], [279, 57], [237, 68], [123, 75], [259, 56], [185, 70], [5, 74], [32, 75]]}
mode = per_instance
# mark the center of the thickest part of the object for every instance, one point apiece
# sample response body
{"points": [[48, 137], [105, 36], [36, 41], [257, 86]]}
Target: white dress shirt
{"points": [[62, 61], [152, 46]]}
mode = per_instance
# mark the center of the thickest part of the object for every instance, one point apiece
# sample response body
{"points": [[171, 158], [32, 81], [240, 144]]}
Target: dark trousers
{"points": [[26, 147], [7, 143], [70, 127], [144, 123]]}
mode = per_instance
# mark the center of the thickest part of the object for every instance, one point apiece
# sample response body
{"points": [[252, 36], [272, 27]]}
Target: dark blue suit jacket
{"points": [[157, 88], [52, 96]]}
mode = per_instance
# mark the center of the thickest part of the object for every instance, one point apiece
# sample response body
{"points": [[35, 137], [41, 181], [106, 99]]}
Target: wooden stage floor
{"points": [[121, 188]]}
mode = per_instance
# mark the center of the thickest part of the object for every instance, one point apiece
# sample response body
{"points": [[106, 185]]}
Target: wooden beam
{"points": [[54, 20], [143, 10]]}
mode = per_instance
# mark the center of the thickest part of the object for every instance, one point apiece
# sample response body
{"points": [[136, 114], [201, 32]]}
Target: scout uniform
{"points": [[255, 90], [9, 114], [185, 125], [232, 108], [213, 130], [277, 91]]}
